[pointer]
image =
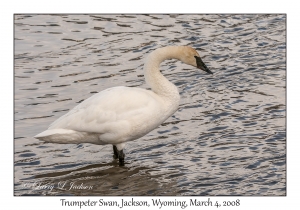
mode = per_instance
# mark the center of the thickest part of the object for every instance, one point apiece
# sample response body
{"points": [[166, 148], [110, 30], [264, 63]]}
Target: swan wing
{"points": [[111, 112]]}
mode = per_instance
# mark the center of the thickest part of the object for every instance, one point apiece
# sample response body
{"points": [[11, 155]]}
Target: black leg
{"points": [[116, 155], [121, 157], [119, 154]]}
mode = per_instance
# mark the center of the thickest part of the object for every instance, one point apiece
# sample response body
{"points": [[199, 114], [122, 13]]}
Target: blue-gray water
{"points": [[227, 138]]}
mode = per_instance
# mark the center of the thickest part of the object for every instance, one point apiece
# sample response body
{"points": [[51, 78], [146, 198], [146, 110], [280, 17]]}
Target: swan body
{"points": [[120, 114]]}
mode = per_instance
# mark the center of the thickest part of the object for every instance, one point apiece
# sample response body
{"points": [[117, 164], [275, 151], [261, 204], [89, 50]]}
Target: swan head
{"points": [[191, 57]]}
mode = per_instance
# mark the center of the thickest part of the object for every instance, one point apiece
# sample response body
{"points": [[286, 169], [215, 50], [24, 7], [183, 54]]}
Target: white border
{"points": [[154, 6]]}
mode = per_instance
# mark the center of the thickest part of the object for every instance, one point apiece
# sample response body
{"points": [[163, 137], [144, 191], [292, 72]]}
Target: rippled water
{"points": [[227, 138]]}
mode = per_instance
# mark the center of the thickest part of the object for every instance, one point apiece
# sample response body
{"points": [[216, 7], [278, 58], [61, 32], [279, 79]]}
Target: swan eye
{"points": [[199, 61]]}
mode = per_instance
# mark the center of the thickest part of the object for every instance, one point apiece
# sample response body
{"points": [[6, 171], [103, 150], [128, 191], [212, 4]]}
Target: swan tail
{"points": [[61, 136]]}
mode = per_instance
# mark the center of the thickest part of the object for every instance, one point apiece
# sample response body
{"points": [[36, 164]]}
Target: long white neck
{"points": [[158, 83]]}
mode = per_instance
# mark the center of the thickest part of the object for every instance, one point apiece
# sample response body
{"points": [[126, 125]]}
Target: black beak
{"points": [[201, 65]]}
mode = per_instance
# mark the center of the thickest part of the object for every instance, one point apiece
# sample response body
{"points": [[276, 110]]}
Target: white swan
{"points": [[120, 114]]}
